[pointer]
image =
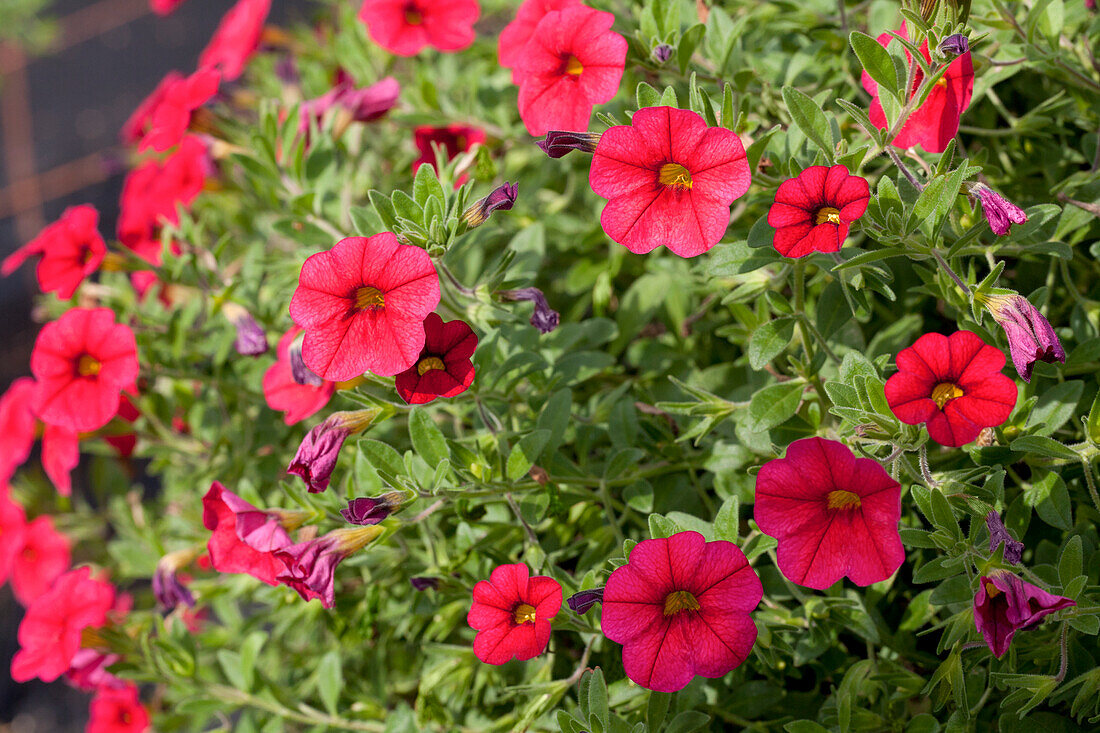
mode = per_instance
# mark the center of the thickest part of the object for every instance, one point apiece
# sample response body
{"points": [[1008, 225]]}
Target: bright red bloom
{"points": [[404, 27], [60, 455], [311, 566], [284, 393], [511, 613], [45, 554], [50, 631], [454, 139], [172, 115], [13, 527], [1004, 604], [236, 38], [444, 368], [572, 62], [363, 304], [244, 538], [141, 120], [669, 179], [952, 383], [126, 442], [681, 608], [833, 514], [71, 249], [516, 34], [164, 7], [117, 710], [812, 212], [934, 124], [82, 362], [17, 426]]}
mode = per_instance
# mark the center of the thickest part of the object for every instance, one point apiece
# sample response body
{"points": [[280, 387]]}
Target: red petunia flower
{"points": [[141, 120], [812, 212], [454, 139], [298, 400], [88, 670], [516, 34], [511, 613], [71, 249], [444, 368], [172, 115], [236, 38], [311, 566], [572, 62], [1004, 604], [49, 635], [60, 455], [117, 710], [245, 538], [82, 362], [680, 607], [934, 124], [669, 179], [13, 527], [17, 426], [404, 27], [45, 555], [833, 514], [952, 383], [363, 304]]}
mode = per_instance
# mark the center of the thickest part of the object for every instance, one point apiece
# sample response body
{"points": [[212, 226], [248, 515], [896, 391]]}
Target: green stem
{"points": [[312, 717]]}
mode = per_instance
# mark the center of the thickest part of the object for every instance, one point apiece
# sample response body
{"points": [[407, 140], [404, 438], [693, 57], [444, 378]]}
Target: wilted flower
{"points": [[581, 602], [168, 589], [559, 143], [999, 211], [243, 538], [998, 533], [316, 457], [311, 566], [545, 318], [662, 53], [501, 197], [1004, 604], [251, 339], [372, 510], [1030, 336], [955, 45]]}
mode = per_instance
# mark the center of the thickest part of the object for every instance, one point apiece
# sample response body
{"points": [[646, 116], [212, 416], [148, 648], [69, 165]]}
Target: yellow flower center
{"points": [[87, 366], [427, 365], [674, 174], [841, 499], [944, 392], [680, 600], [524, 613], [942, 82], [991, 590], [827, 214], [413, 17], [368, 297], [573, 66]]}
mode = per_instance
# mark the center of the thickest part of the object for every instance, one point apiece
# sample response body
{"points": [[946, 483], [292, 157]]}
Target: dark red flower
{"points": [[454, 139], [124, 443], [45, 554], [172, 115], [516, 34], [298, 400], [363, 304], [511, 613], [954, 384], [1005, 604], [117, 710], [444, 368], [71, 249], [404, 27], [17, 426], [236, 38], [141, 120], [572, 62], [245, 538], [681, 607], [13, 527], [934, 124], [310, 567], [812, 212], [82, 362], [669, 179]]}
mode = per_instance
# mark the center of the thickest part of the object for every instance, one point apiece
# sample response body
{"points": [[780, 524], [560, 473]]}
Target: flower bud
{"points": [[168, 589], [251, 339], [1014, 549], [502, 197], [954, 45], [662, 53], [421, 583], [583, 601], [545, 319], [372, 510], [1030, 336], [311, 566], [561, 142], [316, 457], [999, 211]]}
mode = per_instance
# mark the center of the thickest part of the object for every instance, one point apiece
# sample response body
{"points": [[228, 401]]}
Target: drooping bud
{"points": [[562, 142], [1030, 336], [583, 601], [372, 510], [501, 197], [168, 589], [954, 45], [371, 102], [662, 53], [999, 211], [251, 339], [998, 533], [545, 318], [311, 566], [316, 457], [422, 583]]}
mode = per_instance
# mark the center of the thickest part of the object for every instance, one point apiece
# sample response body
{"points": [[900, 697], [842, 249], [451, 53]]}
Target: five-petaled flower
{"points": [[572, 62], [516, 35], [244, 539], [812, 212], [117, 710], [681, 607], [834, 515], [669, 179], [43, 555], [236, 38], [283, 392], [511, 613], [952, 383], [71, 249], [169, 120], [1004, 604], [443, 368], [1030, 336], [310, 567], [404, 27], [362, 305]]}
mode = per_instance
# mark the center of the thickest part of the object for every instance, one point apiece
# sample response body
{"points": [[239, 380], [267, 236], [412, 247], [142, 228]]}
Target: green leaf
{"points": [[688, 721], [1047, 493], [647, 96], [1056, 406], [1069, 565], [427, 438], [657, 710], [1044, 446], [875, 61], [524, 453], [726, 521], [774, 405], [805, 726], [597, 699], [688, 43], [810, 119], [426, 185], [330, 676], [942, 515], [769, 340]]}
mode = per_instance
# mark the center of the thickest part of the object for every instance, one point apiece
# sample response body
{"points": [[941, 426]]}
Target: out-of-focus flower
{"points": [[13, 527], [317, 454], [168, 589], [251, 339], [70, 250], [372, 509], [955, 45], [501, 197], [117, 710], [999, 211], [1004, 604], [44, 556], [164, 7], [60, 455], [245, 538], [443, 368], [1030, 336], [311, 566], [517, 33], [291, 388], [582, 602], [998, 533], [559, 143], [544, 318], [511, 613], [812, 213], [454, 139], [17, 426], [141, 120], [88, 670], [236, 38], [361, 105], [170, 118], [421, 583], [404, 28]]}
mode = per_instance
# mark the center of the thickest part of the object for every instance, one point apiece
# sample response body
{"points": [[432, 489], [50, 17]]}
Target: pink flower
{"points": [[71, 250], [13, 528], [17, 426], [404, 27], [117, 710], [141, 120], [999, 212], [283, 392], [245, 538], [1030, 335], [316, 457], [172, 115], [60, 455], [681, 607], [236, 38], [511, 613], [45, 554], [311, 566], [1005, 604], [516, 34]]}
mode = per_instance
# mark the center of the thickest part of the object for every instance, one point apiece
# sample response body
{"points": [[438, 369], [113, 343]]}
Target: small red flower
{"points": [[404, 27], [236, 38], [126, 442], [444, 368], [13, 527], [952, 383], [172, 115], [812, 212], [454, 139], [49, 635], [45, 554], [244, 538], [82, 362], [362, 305], [60, 455], [516, 34], [681, 607], [833, 514], [17, 426], [572, 62], [117, 710], [511, 613], [669, 179], [934, 124], [284, 393], [141, 120], [71, 249]]}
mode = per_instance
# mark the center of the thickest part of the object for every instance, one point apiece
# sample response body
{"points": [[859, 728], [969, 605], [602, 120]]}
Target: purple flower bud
{"points": [[372, 102], [311, 566], [662, 53], [562, 142], [299, 372], [999, 211], [586, 599], [287, 70], [251, 339], [1014, 549], [167, 587], [501, 197], [1005, 604], [1030, 336], [545, 319], [372, 510], [955, 45], [421, 583], [316, 457]]}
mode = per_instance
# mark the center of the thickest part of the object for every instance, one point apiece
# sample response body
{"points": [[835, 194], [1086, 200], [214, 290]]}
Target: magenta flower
{"points": [[311, 566], [1005, 604], [501, 197], [1030, 336], [251, 339], [999, 211], [372, 509], [243, 538], [511, 613], [316, 457], [559, 143]]}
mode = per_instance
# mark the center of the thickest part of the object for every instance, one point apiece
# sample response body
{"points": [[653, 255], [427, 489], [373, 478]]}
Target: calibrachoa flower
{"points": [[1005, 604], [82, 362], [71, 249], [372, 509], [88, 670], [559, 143], [13, 527], [141, 120], [168, 589], [999, 211], [17, 426], [362, 305], [500, 198], [49, 635], [514, 37], [443, 368], [834, 515], [572, 62], [681, 607], [582, 602], [454, 139], [934, 123], [544, 318], [404, 27], [297, 399], [361, 105], [310, 567], [998, 533], [172, 115], [45, 554], [1030, 336], [669, 179], [511, 613], [236, 38], [317, 454], [952, 383], [117, 710], [812, 212], [164, 7], [245, 538]]}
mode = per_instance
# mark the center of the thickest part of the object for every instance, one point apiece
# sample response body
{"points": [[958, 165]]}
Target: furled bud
{"points": [[421, 583], [316, 457], [954, 45], [562, 142], [583, 601], [501, 197], [372, 510], [1030, 336], [999, 211], [998, 533], [168, 589], [545, 319], [662, 53], [310, 567]]}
